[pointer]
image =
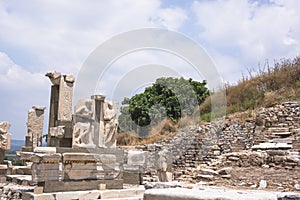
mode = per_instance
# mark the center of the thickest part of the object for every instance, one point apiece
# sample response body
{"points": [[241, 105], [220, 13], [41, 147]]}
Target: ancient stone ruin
{"points": [[60, 113], [5, 139], [82, 161], [96, 123], [81, 152], [35, 124]]}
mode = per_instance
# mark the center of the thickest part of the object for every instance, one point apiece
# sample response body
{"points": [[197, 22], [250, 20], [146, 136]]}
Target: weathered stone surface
{"points": [[267, 145], [35, 124], [95, 123], [45, 158], [32, 196], [110, 123], [262, 184], [138, 158], [78, 157], [4, 127], [58, 131], [65, 100], [5, 139], [83, 135], [83, 108], [60, 113], [225, 170], [45, 150], [38, 190], [45, 166], [207, 193], [54, 77], [208, 172], [62, 186]]}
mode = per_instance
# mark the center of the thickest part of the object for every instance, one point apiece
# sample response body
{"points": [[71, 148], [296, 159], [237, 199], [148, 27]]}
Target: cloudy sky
{"points": [[40, 36]]}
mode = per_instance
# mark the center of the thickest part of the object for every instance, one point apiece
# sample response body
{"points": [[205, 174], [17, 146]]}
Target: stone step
{"points": [[282, 134], [268, 145], [278, 129], [282, 140]]}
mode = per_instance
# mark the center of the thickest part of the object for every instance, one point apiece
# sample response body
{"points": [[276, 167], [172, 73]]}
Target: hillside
{"points": [[265, 87], [16, 144]]}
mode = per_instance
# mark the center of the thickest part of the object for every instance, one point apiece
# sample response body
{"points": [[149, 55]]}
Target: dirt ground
{"points": [[277, 178]]}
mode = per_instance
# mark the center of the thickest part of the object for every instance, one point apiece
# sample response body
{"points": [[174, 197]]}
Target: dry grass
{"points": [[267, 87], [165, 129]]}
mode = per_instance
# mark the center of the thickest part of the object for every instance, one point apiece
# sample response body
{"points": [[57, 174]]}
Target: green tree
{"points": [[167, 97]]}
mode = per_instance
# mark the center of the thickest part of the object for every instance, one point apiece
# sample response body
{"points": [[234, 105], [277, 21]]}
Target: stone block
{"points": [[78, 157], [137, 158], [89, 195], [45, 166], [134, 178], [62, 186], [80, 174], [2, 179], [45, 158], [32, 196], [106, 159], [102, 187], [109, 194], [46, 150], [80, 166], [58, 131], [38, 190]]}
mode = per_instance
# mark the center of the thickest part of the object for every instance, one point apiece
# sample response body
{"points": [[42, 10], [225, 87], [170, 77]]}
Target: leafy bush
{"points": [[171, 98]]}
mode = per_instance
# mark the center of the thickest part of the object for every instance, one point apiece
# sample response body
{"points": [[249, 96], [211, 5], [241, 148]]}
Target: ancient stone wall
{"points": [[272, 138]]}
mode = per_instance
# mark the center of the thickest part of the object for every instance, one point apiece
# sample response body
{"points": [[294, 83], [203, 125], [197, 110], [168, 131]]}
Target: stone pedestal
{"points": [[73, 170], [46, 167]]}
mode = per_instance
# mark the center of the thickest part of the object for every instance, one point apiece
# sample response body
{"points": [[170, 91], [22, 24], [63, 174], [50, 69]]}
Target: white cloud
{"points": [[171, 18], [249, 31], [59, 35], [20, 90], [62, 34]]}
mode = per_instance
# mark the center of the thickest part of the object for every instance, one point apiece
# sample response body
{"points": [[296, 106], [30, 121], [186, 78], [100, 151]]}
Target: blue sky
{"points": [[41, 36]]}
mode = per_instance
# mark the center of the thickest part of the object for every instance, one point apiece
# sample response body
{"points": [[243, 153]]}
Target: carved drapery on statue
{"points": [[110, 123], [5, 139], [95, 123]]}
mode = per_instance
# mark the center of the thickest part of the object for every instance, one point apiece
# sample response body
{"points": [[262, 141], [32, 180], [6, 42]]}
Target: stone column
{"points": [[35, 124], [98, 118], [61, 108], [5, 139]]}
